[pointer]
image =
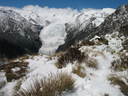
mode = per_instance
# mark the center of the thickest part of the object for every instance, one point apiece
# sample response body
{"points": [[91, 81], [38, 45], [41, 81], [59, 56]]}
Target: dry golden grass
{"points": [[52, 86], [91, 62], [79, 70], [120, 64], [24, 57], [58, 54], [90, 57], [10, 74], [2, 84], [33, 55], [17, 87], [117, 80]]}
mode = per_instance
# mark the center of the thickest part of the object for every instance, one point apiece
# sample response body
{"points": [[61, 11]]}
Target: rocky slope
{"points": [[112, 23], [17, 35]]}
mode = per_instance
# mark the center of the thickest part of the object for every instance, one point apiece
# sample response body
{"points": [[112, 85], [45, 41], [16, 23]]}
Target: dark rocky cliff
{"points": [[17, 35]]}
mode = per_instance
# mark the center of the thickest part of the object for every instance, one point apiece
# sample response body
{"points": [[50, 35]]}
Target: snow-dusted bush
{"points": [[91, 62], [71, 55]]}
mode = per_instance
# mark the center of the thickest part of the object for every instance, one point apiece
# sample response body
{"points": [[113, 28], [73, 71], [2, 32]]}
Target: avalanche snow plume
{"points": [[52, 36], [54, 20]]}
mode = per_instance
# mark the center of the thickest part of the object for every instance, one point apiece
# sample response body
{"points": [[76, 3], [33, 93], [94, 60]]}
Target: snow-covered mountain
{"points": [[62, 20], [111, 23], [17, 34], [61, 27], [58, 23]]}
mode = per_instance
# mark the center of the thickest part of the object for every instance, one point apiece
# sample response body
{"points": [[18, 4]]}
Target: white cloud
{"points": [[50, 13]]}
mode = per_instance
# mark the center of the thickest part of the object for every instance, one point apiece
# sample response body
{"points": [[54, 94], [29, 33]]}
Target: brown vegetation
{"points": [[120, 64], [79, 70], [71, 55], [52, 86], [116, 80], [10, 74]]}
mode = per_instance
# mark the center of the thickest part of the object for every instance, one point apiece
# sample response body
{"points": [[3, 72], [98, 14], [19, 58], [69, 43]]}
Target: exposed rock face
{"points": [[112, 23], [17, 35], [71, 37]]}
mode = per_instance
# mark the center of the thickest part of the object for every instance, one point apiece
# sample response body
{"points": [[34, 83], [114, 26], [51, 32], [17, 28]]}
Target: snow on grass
{"points": [[97, 84], [96, 81]]}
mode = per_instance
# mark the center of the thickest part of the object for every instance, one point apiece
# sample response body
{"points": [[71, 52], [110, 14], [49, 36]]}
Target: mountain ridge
{"points": [[20, 36], [109, 25]]}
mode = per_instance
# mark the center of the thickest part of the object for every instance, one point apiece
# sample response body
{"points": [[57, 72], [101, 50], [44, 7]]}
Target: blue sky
{"points": [[75, 4]]}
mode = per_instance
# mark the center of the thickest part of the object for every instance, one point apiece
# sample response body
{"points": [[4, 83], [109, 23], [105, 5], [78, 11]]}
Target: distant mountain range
{"points": [[33, 29]]}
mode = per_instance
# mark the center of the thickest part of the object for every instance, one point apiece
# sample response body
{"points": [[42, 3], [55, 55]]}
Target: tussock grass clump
{"points": [[91, 62], [24, 57], [120, 64], [54, 85], [17, 87], [58, 54], [71, 55], [3, 58], [2, 84], [79, 70], [58, 65], [116, 80], [10, 74]]}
